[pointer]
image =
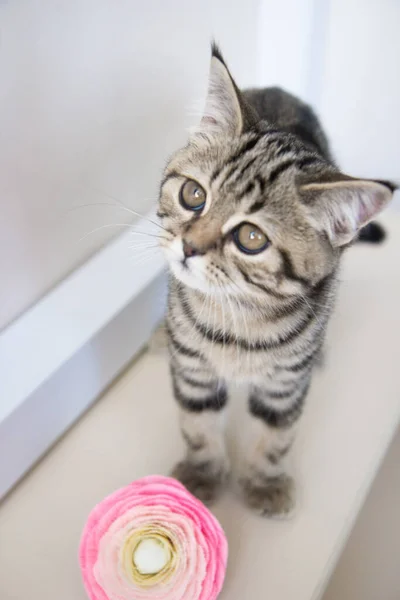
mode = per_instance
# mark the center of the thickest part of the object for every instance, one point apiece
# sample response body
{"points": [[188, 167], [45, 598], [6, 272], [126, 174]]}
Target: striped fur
{"points": [[261, 157]]}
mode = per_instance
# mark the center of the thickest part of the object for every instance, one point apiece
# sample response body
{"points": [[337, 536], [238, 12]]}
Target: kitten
{"points": [[257, 216]]}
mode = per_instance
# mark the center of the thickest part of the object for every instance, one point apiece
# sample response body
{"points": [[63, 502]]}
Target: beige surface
{"points": [[369, 566], [351, 414]]}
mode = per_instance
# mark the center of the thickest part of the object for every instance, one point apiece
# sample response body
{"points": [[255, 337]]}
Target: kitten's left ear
{"points": [[226, 110], [340, 205]]}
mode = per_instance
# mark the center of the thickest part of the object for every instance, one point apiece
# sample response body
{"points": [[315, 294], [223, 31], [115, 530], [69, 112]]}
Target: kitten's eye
{"points": [[250, 239], [192, 196]]}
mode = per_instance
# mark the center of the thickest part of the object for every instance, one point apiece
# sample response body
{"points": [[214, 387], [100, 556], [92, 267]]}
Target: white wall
{"points": [[285, 32], [94, 95], [342, 56], [360, 87]]}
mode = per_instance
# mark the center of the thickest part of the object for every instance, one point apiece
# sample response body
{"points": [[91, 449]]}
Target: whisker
{"points": [[128, 225], [143, 261], [209, 319], [214, 320], [208, 305], [304, 299], [142, 245], [220, 290], [243, 315], [103, 227], [118, 206], [235, 285], [245, 332], [235, 329], [155, 235], [142, 257]]}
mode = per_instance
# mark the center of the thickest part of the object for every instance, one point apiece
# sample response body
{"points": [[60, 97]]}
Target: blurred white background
{"points": [[94, 95]]}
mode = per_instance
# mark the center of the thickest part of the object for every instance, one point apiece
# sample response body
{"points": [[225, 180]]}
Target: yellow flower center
{"points": [[149, 556]]}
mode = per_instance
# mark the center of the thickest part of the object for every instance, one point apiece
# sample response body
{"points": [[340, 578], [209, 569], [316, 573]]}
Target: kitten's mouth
{"points": [[189, 270], [185, 268], [186, 272]]}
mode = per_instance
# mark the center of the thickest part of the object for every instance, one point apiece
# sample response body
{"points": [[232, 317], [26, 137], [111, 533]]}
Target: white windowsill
{"points": [[62, 353]]}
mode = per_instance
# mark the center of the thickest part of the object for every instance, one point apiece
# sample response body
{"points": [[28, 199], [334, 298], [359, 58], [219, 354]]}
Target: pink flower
{"points": [[153, 540]]}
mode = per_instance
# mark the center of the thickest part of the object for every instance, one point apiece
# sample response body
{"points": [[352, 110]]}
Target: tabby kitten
{"points": [[257, 216]]}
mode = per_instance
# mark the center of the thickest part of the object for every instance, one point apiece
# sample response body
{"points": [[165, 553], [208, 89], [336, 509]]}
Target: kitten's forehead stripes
{"points": [[260, 182], [233, 164], [244, 149], [246, 191], [292, 158], [272, 177], [262, 140], [256, 206], [260, 201], [247, 166], [239, 154]]}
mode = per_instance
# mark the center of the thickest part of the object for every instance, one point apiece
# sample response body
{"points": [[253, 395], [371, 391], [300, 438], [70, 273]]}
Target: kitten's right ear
{"points": [[225, 111], [341, 206]]}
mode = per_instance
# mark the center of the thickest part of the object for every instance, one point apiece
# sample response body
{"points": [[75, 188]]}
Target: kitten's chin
{"points": [[186, 275]]}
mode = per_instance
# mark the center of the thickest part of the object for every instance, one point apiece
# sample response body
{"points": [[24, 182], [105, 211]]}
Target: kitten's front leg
{"points": [[266, 486], [202, 400]]}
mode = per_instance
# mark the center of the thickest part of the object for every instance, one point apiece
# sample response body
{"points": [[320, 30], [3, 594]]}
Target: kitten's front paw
{"points": [[274, 497], [203, 480]]}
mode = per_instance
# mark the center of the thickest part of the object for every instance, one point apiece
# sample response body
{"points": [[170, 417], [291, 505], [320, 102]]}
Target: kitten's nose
{"points": [[189, 250]]}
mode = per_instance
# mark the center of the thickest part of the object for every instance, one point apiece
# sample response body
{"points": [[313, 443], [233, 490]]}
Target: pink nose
{"points": [[189, 250]]}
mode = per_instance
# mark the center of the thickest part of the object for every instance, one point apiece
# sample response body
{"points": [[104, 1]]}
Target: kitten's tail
{"points": [[373, 233]]}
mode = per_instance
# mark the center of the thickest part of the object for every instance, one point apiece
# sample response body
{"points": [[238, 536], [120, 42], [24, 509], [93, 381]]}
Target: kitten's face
{"points": [[236, 226], [250, 211]]}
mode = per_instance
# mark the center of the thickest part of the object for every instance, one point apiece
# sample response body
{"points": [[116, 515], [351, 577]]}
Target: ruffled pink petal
{"points": [[199, 539]]}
